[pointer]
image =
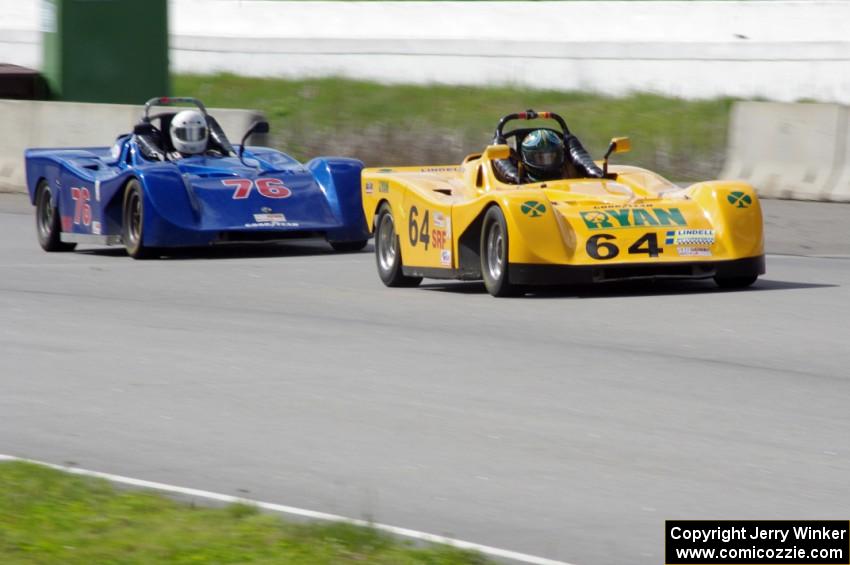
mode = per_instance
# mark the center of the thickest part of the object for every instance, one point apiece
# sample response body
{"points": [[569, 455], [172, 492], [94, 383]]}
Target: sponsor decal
{"points": [[690, 237], [533, 208], [383, 186], [446, 257], [369, 188], [95, 228], [438, 169], [272, 225], [633, 218], [439, 220], [693, 251], [269, 218]]}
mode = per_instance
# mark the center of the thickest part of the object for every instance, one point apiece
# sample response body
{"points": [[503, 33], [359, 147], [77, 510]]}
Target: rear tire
{"points": [[735, 282], [48, 225], [388, 251], [494, 254], [348, 246], [132, 225]]}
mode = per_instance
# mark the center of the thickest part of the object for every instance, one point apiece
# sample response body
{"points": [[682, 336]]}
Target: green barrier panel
{"points": [[106, 50]]}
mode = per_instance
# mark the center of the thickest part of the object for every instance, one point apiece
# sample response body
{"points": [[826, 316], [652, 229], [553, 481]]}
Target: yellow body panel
{"points": [[637, 218]]}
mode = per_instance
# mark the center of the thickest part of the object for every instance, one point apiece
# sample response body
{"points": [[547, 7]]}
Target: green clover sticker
{"points": [[740, 200], [533, 208]]}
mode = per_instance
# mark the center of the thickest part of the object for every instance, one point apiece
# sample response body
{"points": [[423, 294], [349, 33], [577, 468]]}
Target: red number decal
{"points": [[82, 208], [270, 188], [243, 187], [273, 188], [75, 196], [86, 196]]}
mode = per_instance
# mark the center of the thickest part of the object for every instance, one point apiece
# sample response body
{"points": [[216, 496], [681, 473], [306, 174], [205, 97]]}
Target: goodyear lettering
{"points": [[609, 206], [633, 217]]}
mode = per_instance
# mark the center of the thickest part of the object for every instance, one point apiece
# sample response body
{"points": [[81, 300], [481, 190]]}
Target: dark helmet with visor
{"points": [[542, 153]]}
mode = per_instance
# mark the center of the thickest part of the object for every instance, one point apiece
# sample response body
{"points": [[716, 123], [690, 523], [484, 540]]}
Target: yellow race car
{"points": [[496, 217]]}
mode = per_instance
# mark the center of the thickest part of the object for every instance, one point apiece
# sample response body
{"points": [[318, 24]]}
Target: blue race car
{"points": [[176, 181]]}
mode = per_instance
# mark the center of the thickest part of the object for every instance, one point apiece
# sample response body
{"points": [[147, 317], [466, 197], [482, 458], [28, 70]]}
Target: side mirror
{"points": [[618, 145], [257, 127], [494, 152]]}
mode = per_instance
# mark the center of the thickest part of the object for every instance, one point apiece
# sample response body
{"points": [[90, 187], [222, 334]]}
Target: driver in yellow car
{"points": [[543, 154]]}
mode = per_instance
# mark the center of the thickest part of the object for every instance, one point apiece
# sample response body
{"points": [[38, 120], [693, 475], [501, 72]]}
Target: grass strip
{"points": [[439, 124], [48, 516]]}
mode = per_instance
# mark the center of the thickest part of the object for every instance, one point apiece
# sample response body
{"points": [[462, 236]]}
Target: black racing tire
{"points": [[349, 246], [494, 254], [735, 282], [48, 224], [388, 251], [133, 221]]}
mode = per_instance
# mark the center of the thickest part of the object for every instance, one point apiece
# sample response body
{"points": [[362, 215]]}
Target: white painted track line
{"points": [[292, 510]]}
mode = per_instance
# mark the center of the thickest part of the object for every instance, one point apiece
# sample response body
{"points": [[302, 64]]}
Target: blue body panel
{"points": [[199, 200]]}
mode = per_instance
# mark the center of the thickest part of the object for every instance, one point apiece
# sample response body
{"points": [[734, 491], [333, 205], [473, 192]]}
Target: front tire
{"points": [[132, 225], [735, 282], [348, 246], [388, 251], [48, 227], [494, 254]]}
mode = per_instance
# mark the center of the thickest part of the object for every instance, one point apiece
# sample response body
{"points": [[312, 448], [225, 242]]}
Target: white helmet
{"points": [[189, 132]]}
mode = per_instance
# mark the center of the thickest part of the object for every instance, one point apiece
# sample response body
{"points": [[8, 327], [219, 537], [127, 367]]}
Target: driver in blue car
{"points": [[544, 155], [189, 133]]}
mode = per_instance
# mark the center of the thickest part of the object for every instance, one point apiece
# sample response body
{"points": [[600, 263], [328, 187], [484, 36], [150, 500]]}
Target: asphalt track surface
{"points": [[567, 425]]}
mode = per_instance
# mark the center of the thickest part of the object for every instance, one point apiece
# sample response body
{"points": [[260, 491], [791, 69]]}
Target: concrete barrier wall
{"points": [[69, 124], [775, 49], [798, 151], [840, 190]]}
